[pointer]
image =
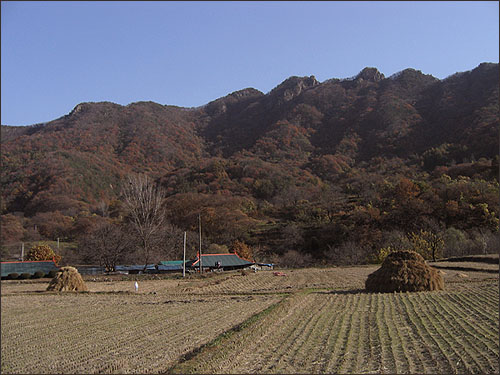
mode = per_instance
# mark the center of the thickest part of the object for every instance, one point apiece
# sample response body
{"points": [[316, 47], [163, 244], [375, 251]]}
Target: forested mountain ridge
{"points": [[389, 114], [318, 159]]}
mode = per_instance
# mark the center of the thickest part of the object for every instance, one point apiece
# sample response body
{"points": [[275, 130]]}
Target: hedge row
{"points": [[25, 276]]}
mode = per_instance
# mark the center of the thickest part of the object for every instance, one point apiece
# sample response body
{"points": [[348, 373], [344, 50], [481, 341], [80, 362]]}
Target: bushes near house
{"points": [[52, 274], [42, 252], [38, 275]]}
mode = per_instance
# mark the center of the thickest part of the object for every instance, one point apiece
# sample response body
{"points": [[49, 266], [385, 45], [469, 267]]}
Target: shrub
{"points": [[25, 276], [295, 259], [42, 252], [38, 275], [13, 276], [455, 241], [379, 255], [242, 249], [348, 253], [396, 239], [429, 245], [52, 274]]}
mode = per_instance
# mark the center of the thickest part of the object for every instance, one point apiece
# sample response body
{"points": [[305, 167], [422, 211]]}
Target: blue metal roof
{"points": [[178, 267], [226, 260], [171, 262], [136, 267]]}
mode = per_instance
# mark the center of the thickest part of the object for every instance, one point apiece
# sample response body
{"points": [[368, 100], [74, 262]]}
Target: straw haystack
{"points": [[404, 271], [67, 279]]}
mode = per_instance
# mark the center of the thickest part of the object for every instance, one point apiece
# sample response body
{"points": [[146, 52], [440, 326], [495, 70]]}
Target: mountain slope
{"points": [[82, 153], [264, 152]]}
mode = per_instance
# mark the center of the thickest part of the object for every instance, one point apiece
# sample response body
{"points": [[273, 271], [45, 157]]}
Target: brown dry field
{"points": [[314, 320], [342, 278]]}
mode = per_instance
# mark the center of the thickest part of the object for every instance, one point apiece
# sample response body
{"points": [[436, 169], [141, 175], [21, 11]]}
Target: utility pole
{"points": [[199, 225], [22, 251], [57, 244], [184, 258]]}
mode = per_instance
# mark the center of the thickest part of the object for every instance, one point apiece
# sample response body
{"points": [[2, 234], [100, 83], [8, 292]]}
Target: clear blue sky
{"points": [[58, 54]]}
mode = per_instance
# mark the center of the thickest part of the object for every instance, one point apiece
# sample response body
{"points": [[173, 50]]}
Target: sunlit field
{"points": [[314, 320]]}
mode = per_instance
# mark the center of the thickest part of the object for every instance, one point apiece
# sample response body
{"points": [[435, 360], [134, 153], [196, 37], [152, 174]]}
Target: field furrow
{"points": [[483, 351], [415, 353], [317, 359], [364, 359], [478, 310], [401, 350], [451, 348], [312, 354], [299, 354], [280, 360], [336, 346], [438, 346], [374, 338], [351, 345], [388, 362], [355, 333]]}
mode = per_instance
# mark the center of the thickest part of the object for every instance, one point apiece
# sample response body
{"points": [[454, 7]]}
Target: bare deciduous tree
{"points": [[108, 244], [144, 202]]}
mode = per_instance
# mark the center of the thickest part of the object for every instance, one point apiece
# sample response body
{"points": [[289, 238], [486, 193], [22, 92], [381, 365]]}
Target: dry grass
{"points": [[262, 282], [311, 321], [106, 333]]}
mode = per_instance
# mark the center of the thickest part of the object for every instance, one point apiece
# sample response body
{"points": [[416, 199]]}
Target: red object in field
{"points": [[279, 274]]}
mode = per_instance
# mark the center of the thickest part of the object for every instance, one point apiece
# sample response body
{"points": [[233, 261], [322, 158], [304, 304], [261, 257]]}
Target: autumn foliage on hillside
{"points": [[334, 171]]}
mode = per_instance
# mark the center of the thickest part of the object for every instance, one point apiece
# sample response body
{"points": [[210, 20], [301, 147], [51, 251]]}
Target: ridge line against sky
{"points": [[58, 54]]}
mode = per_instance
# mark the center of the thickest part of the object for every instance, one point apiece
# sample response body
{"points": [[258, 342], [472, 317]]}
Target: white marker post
{"points": [[184, 258], [199, 224]]}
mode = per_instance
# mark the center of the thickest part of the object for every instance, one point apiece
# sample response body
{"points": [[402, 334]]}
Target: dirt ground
{"points": [[311, 320]]}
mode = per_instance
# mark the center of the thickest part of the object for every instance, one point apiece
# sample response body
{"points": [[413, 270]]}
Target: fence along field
{"points": [[310, 321]]}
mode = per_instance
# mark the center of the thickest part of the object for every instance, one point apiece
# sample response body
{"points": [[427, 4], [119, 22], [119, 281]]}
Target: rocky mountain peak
{"points": [[370, 74], [249, 92], [220, 106], [293, 87], [79, 108]]}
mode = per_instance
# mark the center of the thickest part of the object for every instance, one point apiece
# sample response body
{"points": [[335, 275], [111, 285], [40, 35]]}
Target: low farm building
{"points": [[136, 269], [167, 266], [220, 262]]}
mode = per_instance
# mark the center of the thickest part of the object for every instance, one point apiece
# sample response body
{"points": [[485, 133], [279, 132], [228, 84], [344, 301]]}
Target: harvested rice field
{"points": [[108, 333], [222, 283], [332, 332], [315, 320]]}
